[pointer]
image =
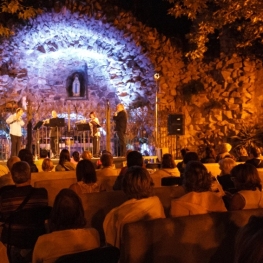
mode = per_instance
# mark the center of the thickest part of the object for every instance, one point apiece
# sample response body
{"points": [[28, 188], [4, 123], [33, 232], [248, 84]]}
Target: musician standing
{"points": [[95, 133], [120, 118], [15, 121], [54, 134]]}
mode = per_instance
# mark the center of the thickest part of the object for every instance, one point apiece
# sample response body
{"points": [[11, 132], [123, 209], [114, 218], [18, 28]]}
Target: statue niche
{"points": [[76, 86]]}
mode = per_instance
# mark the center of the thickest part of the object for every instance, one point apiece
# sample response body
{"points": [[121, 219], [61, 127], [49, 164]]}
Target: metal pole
{"points": [[108, 135]]}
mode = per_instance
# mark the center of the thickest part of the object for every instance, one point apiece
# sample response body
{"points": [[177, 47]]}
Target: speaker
{"points": [[175, 124]]}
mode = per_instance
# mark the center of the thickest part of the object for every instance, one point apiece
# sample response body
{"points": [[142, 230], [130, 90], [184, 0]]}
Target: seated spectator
{"points": [[75, 157], [138, 186], [108, 168], [47, 165], [188, 157], [3, 253], [68, 234], [199, 199], [249, 242], [243, 155], [180, 164], [86, 179], [7, 178], [26, 156], [223, 151], [13, 199], [210, 155], [168, 167], [134, 158], [249, 188], [64, 163], [86, 155], [225, 179], [255, 157]]}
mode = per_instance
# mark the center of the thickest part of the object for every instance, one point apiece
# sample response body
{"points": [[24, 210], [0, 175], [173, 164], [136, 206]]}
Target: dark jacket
{"points": [[120, 121]]}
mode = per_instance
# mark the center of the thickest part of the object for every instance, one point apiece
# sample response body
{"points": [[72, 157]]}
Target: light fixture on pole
{"points": [[156, 78]]}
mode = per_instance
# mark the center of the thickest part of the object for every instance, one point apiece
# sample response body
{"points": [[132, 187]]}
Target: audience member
{"points": [[188, 157], [242, 154], [168, 167], [47, 165], [249, 242], [249, 188], [108, 168], [134, 158], [225, 179], [86, 155], [223, 151], [6, 179], [86, 179], [255, 157], [3, 253], [21, 197], [180, 164], [210, 155], [64, 163], [68, 234], [138, 186], [26, 156], [199, 199], [75, 157]]}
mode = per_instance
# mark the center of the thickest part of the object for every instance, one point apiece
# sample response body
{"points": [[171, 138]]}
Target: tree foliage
{"points": [[242, 18]]}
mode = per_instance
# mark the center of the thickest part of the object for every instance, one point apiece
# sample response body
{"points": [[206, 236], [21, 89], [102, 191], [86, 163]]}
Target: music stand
{"points": [[57, 122], [83, 127], [36, 128], [96, 125]]}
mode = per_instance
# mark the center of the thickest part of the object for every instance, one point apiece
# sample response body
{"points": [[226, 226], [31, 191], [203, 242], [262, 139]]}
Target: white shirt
{"points": [[15, 125]]}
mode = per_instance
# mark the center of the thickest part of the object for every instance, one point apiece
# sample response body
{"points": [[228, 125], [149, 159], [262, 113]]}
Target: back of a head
{"points": [[210, 152], [47, 165], [106, 159], [20, 172], [246, 177], [26, 156], [86, 155], [137, 183], [11, 161], [226, 165], [190, 156], [134, 158], [64, 156], [76, 156], [224, 147], [184, 151], [254, 151], [249, 242], [196, 177], [67, 212], [243, 151], [168, 161], [85, 171]]}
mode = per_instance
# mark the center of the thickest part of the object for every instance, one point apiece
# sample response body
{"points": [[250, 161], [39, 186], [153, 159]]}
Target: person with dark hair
{"points": [[134, 158], [11, 200], [120, 118], [248, 186], [168, 167], [199, 199], [75, 157], [249, 242], [255, 157], [188, 157], [108, 168], [242, 155], [137, 184], [26, 156], [67, 233], [181, 164], [64, 163], [15, 121], [86, 179], [210, 155], [47, 165]]}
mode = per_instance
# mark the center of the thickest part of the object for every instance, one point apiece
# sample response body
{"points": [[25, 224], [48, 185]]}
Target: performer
{"points": [[95, 133], [54, 134], [120, 118], [15, 121]]}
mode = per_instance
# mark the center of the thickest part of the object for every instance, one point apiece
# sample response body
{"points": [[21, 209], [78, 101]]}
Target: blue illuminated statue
{"points": [[76, 86]]}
